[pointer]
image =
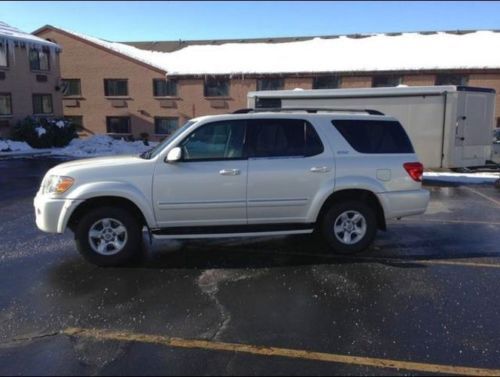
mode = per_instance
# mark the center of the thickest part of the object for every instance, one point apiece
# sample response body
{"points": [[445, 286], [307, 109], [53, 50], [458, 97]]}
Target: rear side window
{"points": [[374, 136], [282, 138]]}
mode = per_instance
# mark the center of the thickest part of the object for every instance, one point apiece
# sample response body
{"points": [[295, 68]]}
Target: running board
{"points": [[232, 231]]}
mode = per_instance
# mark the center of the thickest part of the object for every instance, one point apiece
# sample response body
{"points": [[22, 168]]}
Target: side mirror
{"points": [[174, 155]]}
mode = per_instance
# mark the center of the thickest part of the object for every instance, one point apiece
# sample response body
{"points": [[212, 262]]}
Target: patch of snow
{"points": [[378, 52], [461, 178], [60, 124], [14, 146], [40, 131], [14, 34], [101, 145]]}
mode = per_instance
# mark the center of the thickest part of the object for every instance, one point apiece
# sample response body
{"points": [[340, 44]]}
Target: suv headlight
{"points": [[56, 184]]}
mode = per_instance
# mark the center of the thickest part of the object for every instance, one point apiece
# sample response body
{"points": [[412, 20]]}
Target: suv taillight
{"points": [[415, 170]]}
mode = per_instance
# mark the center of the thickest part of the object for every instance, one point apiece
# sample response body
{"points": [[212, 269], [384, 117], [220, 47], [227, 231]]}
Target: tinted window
{"points": [[163, 87], [326, 82], [215, 141], [5, 104], [166, 126], [216, 87], [118, 125], [374, 136], [282, 137], [113, 87], [42, 104], [270, 84], [71, 87], [385, 81], [451, 79]]}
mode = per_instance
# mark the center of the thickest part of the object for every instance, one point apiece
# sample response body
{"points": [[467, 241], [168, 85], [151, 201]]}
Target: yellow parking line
{"points": [[432, 261], [280, 352], [483, 195]]}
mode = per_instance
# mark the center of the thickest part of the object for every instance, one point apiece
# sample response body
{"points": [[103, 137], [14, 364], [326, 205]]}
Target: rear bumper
{"points": [[52, 214], [404, 203]]}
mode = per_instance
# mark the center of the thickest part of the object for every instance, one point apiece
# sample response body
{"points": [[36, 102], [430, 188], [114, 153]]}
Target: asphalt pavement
{"points": [[425, 299]]}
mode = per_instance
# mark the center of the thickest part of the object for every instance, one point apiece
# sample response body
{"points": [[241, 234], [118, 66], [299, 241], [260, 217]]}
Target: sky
{"points": [[174, 20]]}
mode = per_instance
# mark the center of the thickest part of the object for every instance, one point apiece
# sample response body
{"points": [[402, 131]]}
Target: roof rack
{"points": [[307, 109]]}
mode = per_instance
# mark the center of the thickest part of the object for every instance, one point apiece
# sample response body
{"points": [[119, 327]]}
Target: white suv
{"points": [[246, 174]]}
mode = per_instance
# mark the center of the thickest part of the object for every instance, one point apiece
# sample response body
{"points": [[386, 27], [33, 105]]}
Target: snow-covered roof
{"points": [[378, 52], [11, 33]]}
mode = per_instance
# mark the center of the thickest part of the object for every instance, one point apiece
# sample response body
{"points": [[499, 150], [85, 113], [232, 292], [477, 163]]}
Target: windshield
{"points": [[151, 153]]}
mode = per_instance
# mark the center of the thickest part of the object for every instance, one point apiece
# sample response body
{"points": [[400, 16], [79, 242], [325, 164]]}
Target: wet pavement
{"points": [[426, 292]]}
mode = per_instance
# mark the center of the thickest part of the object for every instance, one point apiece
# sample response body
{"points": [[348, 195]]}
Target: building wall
{"points": [[92, 65], [21, 83]]}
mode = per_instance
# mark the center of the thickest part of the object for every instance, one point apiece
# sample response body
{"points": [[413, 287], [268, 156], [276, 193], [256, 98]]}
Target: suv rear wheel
{"points": [[108, 236], [349, 227]]}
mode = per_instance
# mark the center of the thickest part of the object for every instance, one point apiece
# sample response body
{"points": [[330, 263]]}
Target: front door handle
{"points": [[229, 172], [320, 169]]}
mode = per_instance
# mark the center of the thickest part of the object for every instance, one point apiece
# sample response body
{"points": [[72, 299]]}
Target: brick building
{"points": [[154, 87], [29, 77]]}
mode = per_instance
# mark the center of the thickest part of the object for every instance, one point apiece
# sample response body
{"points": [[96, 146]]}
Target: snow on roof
{"points": [[378, 52], [13, 34]]}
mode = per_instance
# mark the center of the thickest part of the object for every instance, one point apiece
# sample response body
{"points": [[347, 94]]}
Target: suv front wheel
{"points": [[349, 227], [108, 236]]}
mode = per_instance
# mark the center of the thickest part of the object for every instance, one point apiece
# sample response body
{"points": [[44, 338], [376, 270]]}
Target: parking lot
{"points": [[424, 299]]}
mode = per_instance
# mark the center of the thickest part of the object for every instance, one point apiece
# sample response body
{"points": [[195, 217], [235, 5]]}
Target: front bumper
{"points": [[404, 203], [52, 214]]}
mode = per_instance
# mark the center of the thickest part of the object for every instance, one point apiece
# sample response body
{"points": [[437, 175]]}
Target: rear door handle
{"points": [[320, 169], [229, 172]]}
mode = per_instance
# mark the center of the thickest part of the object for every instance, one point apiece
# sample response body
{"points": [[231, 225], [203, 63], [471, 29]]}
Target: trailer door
{"points": [[474, 125]]}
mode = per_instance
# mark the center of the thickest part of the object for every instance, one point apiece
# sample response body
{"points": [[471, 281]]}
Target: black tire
{"points": [[132, 246], [358, 245]]}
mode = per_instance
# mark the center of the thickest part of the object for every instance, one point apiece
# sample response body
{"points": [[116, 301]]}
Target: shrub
{"points": [[44, 132]]}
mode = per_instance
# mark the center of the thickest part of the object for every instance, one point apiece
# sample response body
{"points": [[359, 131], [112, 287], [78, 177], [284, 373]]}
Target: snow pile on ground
{"points": [[377, 52], [461, 178], [14, 146], [101, 145]]}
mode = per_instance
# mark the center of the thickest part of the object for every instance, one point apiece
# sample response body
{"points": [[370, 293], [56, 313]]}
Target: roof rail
{"points": [[307, 109]]}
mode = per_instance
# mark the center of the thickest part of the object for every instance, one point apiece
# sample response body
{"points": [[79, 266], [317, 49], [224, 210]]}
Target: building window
{"points": [[115, 87], [4, 57], [39, 60], [216, 87], [164, 88], [166, 126], [71, 87], [270, 84], [118, 125], [326, 82], [380, 81], [5, 104], [451, 79], [42, 104], [76, 120]]}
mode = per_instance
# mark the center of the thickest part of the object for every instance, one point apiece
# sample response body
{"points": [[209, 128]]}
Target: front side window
{"points": [[381, 81], [42, 104], [5, 104], [166, 126], [164, 88], [215, 141], [4, 59], [118, 125], [374, 136], [451, 79], [72, 87], [39, 60], [326, 82], [270, 84], [115, 87], [216, 87], [282, 138]]}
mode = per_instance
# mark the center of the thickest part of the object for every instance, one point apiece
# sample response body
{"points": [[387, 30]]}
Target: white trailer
{"points": [[449, 126]]}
